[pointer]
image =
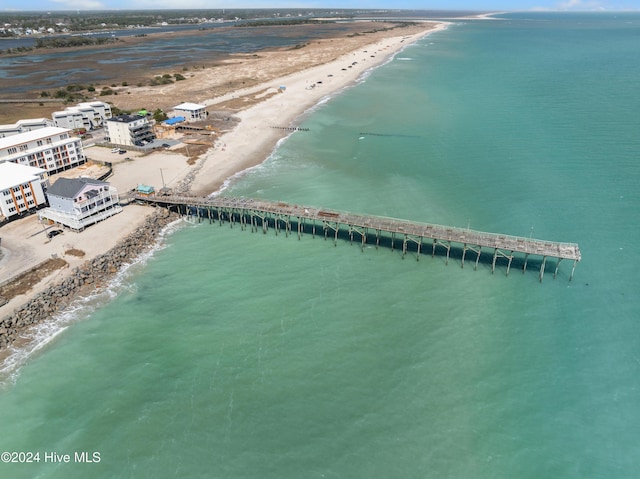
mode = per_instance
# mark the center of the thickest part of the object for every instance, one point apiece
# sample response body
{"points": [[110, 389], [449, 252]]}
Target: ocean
{"points": [[231, 354]]}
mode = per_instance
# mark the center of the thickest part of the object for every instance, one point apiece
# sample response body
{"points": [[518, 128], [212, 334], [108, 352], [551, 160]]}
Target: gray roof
{"points": [[70, 187], [124, 118]]}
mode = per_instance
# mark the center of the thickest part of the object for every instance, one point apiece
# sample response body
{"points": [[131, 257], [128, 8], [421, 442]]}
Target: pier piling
{"points": [[247, 211]]}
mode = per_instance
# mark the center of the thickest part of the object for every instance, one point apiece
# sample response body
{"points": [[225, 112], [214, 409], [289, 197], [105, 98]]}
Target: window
{"points": [[12, 150], [24, 147], [49, 141], [6, 193], [12, 209], [31, 202], [39, 143], [9, 201], [28, 193]]}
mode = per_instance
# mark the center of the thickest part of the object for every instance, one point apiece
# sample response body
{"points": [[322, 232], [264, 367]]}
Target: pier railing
{"points": [[245, 210]]}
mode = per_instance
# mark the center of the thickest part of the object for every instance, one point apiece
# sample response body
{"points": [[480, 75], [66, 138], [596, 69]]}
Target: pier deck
{"points": [[241, 209]]}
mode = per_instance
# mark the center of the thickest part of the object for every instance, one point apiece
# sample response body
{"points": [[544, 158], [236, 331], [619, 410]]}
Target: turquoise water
{"points": [[237, 355]]}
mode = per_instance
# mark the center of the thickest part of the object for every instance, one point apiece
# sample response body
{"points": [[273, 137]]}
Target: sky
{"points": [[476, 5]]}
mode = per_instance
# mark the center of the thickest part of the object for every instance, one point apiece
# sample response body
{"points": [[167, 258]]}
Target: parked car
{"points": [[122, 152], [165, 145], [53, 233], [115, 150]]}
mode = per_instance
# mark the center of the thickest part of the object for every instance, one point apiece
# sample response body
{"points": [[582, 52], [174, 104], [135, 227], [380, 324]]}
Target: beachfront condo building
{"points": [[22, 126], [80, 202], [21, 189], [129, 130], [87, 115], [50, 148], [190, 111]]}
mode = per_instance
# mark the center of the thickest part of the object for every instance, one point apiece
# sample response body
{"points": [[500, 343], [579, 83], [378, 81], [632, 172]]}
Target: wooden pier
{"points": [[283, 217]]}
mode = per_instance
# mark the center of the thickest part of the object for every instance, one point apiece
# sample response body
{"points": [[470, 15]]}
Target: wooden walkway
{"points": [[281, 216]]}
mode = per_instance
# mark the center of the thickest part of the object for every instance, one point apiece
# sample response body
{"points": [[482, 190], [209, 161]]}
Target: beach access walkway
{"points": [[283, 217]]}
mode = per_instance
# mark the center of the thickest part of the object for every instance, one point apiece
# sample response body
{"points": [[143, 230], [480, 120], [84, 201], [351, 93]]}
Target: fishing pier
{"points": [[409, 235]]}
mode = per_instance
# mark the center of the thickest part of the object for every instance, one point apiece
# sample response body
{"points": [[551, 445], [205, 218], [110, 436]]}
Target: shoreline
{"points": [[253, 140], [248, 145]]}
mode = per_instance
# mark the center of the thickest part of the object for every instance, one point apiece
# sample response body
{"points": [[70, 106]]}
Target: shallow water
{"points": [[238, 354]]}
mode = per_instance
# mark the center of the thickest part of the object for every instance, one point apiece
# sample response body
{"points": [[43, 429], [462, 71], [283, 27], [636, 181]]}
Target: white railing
{"points": [[77, 222]]}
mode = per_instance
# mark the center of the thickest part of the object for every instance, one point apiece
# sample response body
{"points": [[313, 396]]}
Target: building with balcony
{"points": [[87, 115], [50, 148], [21, 189], [22, 126], [80, 202], [129, 130], [190, 111]]}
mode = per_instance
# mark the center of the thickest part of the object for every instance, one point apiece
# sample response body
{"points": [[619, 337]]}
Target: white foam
{"points": [[37, 337]]}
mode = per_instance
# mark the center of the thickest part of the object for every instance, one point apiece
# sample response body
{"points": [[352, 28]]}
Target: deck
{"points": [[282, 215]]}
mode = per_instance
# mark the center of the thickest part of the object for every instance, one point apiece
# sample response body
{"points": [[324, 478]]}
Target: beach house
{"points": [[21, 189], [80, 202], [129, 130], [50, 148], [190, 111]]}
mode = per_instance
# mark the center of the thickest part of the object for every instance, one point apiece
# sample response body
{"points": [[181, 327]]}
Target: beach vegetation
{"points": [[159, 115], [179, 77], [161, 80], [64, 42], [106, 91], [91, 88], [124, 83], [115, 111], [44, 94]]}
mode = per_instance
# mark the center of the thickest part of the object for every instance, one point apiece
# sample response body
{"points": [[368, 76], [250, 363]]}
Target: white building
{"points": [[129, 130], [50, 148], [22, 126], [87, 115], [21, 189], [80, 202], [191, 111]]}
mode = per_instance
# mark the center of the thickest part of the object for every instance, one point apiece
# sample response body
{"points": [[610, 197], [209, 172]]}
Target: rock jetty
{"points": [[91, 276]]}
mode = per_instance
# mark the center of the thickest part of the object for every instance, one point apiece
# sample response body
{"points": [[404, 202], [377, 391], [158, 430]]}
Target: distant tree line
{"points": [[83, 21]]}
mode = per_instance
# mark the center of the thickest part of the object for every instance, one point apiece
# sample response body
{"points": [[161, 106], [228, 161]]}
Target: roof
{"points": [[70, 187], [127, 118], [31, 136], [174, 120], [12, 174], [188, 106], [145, 189]]}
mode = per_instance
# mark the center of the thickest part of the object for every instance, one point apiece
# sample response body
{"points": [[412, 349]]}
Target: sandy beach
{"points": [[25, 243]]}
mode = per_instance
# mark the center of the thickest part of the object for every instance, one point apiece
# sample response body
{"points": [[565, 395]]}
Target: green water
{"points": [[233, 354]]}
